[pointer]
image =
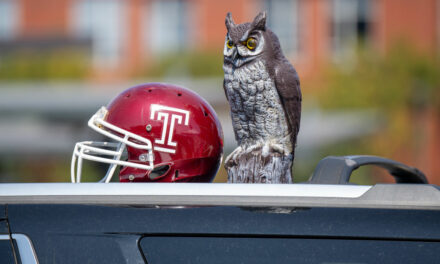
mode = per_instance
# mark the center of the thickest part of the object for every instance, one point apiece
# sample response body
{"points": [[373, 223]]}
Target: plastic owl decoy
{"points": [[263, 91]]}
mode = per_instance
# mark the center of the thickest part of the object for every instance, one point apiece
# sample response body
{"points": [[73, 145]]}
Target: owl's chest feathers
{"points": [[256, 110]]}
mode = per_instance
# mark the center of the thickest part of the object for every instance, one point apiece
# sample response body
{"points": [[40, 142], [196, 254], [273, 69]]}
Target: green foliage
{"points": [[401, 85], [47, 65], [194, 64], [49, 169], [400, 79]]}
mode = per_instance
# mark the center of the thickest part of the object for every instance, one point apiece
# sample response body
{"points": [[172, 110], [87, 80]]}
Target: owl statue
{"points": [[263, 91]]}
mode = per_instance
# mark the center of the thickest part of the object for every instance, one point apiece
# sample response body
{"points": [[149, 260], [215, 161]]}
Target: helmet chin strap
{"points": [[111, 169]]}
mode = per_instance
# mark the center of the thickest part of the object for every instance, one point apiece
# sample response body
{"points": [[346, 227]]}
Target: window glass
{"points": [[6, 253], [102, 21], [351, 22], [282, 19], [8, 19], [285, 250], [168, 25]]}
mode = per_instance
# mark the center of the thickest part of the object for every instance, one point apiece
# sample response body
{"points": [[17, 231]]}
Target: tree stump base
{"points": [[252, 167]]}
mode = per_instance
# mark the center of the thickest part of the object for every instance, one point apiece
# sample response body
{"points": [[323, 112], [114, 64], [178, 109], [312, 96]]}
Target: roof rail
{"points": [[391, 196], [338, 169]]}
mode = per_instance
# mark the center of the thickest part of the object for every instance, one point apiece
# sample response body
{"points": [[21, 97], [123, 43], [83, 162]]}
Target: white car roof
{"points": [[411, 196]]}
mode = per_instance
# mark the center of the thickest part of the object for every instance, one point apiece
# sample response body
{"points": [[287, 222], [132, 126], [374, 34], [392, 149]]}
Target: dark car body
{"points": [[220, 223]]}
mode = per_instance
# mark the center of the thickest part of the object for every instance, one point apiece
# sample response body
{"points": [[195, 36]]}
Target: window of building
{"points": [[351, 24], [8, 19], [282, 18], [168, 24], [101, 21]]}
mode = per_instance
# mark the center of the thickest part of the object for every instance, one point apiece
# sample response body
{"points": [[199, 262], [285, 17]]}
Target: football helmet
{"points": [[160, 133]]}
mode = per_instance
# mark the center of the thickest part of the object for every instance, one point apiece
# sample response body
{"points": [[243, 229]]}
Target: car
{"points": [[324, 220]]}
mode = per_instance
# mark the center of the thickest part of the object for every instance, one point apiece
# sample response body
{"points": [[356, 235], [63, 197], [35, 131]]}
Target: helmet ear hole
{"points": [[159, 172]]}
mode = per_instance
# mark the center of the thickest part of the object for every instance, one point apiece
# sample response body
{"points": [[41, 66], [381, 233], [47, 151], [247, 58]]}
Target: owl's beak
{"points": [[239, 60], [234, 54]]}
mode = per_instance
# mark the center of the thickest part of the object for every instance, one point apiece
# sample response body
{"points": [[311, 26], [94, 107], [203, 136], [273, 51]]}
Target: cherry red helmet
{"points": [[161, 133]]}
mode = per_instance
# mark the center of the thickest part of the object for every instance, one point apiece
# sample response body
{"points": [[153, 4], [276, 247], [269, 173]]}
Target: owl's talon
{"points": [[231, 159], [278, 148]]}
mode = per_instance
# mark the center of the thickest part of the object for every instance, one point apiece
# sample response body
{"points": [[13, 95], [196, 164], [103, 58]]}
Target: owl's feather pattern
{"points": [[263, 90], [256, 111]]}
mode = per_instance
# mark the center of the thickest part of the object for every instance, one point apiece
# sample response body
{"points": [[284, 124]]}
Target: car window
{"points": [[285, 250], [6, 253]]}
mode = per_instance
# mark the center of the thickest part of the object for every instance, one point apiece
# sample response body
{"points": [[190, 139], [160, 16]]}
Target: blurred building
{"points": [[122, 36]]}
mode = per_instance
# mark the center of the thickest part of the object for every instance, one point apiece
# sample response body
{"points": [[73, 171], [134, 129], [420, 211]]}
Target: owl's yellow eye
{"points": [[229, 44], [251, 43]]}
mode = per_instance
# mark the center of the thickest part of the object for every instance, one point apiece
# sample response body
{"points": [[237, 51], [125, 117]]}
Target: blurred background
{"points": [[370, 74]]}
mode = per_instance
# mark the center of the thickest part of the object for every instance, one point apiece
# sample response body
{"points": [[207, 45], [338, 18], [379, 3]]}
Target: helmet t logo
{"points": [[163, 113]]}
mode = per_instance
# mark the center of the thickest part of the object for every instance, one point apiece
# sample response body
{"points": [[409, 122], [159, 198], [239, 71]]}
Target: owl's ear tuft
{"points": [[229, 21], [259, 21]]}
